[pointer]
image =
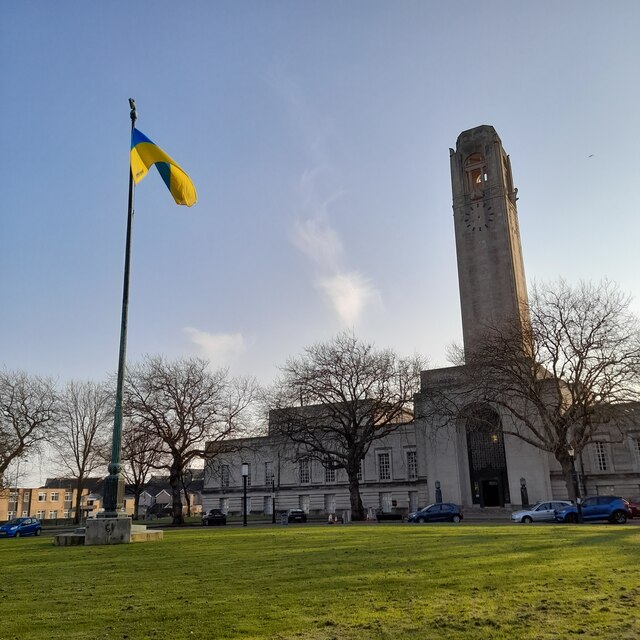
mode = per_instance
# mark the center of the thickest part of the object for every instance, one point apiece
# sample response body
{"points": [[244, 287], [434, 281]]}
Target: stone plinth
{"points": [[108, 531]]}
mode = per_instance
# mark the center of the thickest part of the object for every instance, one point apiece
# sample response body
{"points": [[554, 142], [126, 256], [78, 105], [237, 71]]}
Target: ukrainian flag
{"points": [[145, 153]]}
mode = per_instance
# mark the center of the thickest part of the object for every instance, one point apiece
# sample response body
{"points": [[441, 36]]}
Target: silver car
{"points": [[540, 512]]}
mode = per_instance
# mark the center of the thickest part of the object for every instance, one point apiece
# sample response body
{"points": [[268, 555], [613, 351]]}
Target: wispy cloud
{"points": [[220, 348], [348, 291]]}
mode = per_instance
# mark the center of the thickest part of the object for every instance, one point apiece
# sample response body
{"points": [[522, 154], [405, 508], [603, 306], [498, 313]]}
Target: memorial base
{"points": [[108, 530]]}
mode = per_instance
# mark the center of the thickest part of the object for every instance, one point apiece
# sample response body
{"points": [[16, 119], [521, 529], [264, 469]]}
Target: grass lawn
{"points": [[324, 582]]}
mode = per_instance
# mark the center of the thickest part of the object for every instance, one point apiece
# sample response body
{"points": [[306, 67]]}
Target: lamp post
{"points": [[245, 475], [273, 501]]}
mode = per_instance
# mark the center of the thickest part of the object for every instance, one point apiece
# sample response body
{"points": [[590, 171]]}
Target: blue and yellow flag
{"points": [[145, 153]]}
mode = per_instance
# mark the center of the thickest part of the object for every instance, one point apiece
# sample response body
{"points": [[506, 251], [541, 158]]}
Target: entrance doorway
{"points": [[487, 460], [490, 495]]}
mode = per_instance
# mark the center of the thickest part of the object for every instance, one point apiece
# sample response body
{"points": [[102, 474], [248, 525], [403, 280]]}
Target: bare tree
{"points": [[564, 376], [338, 398], [27, 412], [81, 435], [142, 451], [188, 408]]}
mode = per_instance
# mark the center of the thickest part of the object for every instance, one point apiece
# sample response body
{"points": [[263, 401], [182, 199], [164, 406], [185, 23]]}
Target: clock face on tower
{"points": [[478, 216]]}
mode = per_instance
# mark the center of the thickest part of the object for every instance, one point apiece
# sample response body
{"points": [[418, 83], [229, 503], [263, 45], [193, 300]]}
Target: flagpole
{"points": [[114, 483]]}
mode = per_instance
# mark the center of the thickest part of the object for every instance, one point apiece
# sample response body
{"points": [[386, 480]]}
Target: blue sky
{"points": [[317, 134]]}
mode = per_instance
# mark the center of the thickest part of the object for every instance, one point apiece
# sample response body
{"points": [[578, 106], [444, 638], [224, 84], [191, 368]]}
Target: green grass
{"points": [[321, 582]]}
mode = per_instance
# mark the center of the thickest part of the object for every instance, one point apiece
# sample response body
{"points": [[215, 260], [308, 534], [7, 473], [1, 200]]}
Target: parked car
{"points": [[438, 512], [634, 506], [296, 515], [611, 508], [214, 516], [540, 512], [21, 527]]}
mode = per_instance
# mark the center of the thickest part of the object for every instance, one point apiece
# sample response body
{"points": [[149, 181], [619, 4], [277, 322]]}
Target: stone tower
{"points": [[490, 267]]}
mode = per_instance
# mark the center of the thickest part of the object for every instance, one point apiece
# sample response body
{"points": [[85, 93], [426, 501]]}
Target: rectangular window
{"points": [[40, 515], [25, 514], [66, 513], [305, 471], [268, 474], [384, 466], [224, 475], [26, 496], [385, 502], [248, 475], [636, 447], [42, 497], [304, 502], [224, 505], [248, 505], [11, 514], [412, 465], [413, 501], [53, 515], [54, 496], [268, 504], [329, 473], [330, 503], [601, 456], [68, 496], [361, 471]]}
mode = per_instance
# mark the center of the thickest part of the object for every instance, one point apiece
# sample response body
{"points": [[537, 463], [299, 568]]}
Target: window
{"points": [[305, 471], [42, 497], [384, 466], [412, 465], [329, 472], [330, 503], [477, 177], [68, 496], [601, 456], [413, 501], [11, 514], [249, 475], [224, 475], [248, 505], [26, 496], [66, 514], [224, 505], [385, 500], [268, 504], [40, 515], [55, 496], [361, 471], [268, 474], [53, 515], [24, 514], [635, 443], [304, 503]]}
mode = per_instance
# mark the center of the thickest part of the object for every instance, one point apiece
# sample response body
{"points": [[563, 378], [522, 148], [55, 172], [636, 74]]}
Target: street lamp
{"points": [[273, 501], [245, 475]]}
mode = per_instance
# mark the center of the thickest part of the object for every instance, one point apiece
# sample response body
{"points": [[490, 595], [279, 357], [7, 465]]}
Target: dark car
{"points": [[296, 515], [438, 512], [214, 516], [611, 508], [21, 527]]}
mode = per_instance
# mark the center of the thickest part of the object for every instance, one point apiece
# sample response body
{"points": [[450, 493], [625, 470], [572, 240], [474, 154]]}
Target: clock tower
{"points": [[491, 276]]}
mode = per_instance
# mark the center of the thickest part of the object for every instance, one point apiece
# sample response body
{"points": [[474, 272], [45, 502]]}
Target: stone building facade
{"points": [[474, 468]]}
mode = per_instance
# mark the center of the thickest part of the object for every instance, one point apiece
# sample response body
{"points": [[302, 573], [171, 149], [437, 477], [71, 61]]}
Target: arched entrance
{"points": [[487, 460]]}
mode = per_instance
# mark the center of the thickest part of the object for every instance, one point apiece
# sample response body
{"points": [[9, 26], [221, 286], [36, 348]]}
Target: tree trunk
{"points": [[79, 483], [136, 502], [357, 508], [174, 481], [568, 473]]}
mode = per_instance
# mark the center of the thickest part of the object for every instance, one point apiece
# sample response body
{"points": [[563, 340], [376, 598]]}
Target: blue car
{"points": [[438, 512], [20, 527], [609, 508]]}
